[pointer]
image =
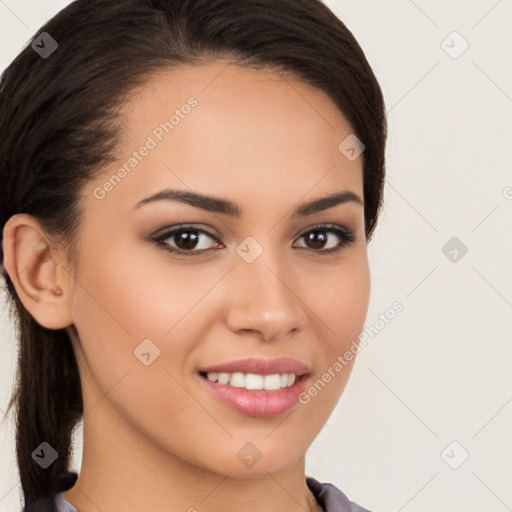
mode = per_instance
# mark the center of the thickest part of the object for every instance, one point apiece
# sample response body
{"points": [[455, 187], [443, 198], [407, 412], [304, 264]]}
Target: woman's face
{"points": [[150, 316]]}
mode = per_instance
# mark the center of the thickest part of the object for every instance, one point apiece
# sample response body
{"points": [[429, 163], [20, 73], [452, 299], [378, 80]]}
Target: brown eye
{"points": [[317, 238], [186, 240]]}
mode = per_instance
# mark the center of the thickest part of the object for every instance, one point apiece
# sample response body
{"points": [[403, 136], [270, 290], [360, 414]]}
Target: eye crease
{"points": [[313, 235]]}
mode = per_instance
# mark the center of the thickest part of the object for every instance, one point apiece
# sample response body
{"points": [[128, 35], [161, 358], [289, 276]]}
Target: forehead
{"points": [[231, 131]]}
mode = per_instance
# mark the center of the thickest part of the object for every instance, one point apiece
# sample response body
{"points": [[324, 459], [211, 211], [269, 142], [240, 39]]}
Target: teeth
{"points": [[272, 382], [254, 381], [237, 380], [222, 379]]}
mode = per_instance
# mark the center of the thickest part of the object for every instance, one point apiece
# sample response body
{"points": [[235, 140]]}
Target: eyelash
{"points": [[347, 237]]}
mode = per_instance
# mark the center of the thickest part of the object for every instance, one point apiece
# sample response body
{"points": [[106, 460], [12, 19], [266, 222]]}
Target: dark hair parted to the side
{"points": [[59, 123]]}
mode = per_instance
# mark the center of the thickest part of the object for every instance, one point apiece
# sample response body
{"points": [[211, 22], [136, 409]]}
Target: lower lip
{"points": [[258, 402]]}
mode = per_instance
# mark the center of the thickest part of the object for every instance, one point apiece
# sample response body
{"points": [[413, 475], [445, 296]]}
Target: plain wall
{"points": [[440, 371]]}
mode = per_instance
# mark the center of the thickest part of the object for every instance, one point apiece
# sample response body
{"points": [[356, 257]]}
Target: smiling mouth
{"points": [[254, 381]]}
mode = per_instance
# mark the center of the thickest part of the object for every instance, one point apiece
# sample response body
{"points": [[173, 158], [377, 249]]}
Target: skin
{"points": [[154, 437]]}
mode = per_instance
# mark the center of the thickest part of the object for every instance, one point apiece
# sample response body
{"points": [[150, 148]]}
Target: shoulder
{"points": [[61, 505], [331, 498]]}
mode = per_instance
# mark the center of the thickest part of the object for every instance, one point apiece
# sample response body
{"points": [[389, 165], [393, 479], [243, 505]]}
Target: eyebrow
{"points": [[223, 206]]}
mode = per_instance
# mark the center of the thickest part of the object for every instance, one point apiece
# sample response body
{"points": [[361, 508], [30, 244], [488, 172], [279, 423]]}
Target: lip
{"points": [[258, 403], [260, 366]]}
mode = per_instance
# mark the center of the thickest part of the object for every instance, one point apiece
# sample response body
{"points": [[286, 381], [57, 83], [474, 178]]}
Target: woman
{"points": [[190, 188]]}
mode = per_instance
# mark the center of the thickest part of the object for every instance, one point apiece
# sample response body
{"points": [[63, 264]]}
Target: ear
{"points": [[35, 267]]}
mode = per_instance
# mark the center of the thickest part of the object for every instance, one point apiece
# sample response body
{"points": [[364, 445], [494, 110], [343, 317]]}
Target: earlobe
{"points": [[32, 262]]}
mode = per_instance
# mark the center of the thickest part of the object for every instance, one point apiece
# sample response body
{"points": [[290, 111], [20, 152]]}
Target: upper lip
{"points": [[260, 366]]}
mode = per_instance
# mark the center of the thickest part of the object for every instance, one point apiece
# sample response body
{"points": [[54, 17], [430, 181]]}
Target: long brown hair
{"points": [[59, 125]]}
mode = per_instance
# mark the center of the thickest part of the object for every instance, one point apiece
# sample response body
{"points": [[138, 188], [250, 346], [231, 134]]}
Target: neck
{"points": [[147, 477]]}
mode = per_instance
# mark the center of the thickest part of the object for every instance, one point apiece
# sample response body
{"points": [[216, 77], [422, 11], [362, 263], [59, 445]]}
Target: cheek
{"points": [[118, 307], [340, 299], [120, 302], [127, 294], [341, 302]]}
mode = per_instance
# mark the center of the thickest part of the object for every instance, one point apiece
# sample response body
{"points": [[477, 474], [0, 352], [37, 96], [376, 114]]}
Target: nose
{"points": [[265, 299]]}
